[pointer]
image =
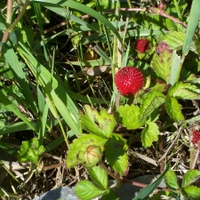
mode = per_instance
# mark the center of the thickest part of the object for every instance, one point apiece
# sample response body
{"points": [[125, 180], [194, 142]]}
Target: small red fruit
{"points": [[196, 137], [129, 80], [162, 46], [161, 6], [142, 45]]}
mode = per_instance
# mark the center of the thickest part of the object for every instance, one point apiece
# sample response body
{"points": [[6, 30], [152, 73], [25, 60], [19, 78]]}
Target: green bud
{"points": [[92, 155]]}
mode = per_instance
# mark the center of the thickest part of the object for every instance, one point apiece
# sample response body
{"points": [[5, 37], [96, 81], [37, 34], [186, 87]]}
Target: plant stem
{"points": [[9, 12], [19, 16], [117, 178], [8, 19]]}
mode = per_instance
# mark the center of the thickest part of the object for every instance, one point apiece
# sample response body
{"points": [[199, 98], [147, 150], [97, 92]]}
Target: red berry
{"points": [[142, 45], [162, 46], [196, 137], [161, 6], [129, 80]]}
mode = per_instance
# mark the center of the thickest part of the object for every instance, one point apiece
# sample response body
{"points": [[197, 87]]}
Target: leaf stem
{"points": [[116, 177]]}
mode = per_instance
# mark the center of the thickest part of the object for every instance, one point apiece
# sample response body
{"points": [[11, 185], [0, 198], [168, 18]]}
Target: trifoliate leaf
{"points": [[171, 180], [30, 151], [99, 177], [99, 123], [190, 177], [85, 190], [116, 153], [184, 91], [173, 109], [129, 116], [149, 134], [77, 150]]}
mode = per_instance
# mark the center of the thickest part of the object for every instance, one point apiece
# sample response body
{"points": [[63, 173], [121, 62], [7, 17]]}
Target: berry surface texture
{"points": [[129, 80], [142, 45]]}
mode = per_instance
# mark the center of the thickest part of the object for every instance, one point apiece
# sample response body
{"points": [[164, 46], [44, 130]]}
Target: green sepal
{"points": [[79, 147]]}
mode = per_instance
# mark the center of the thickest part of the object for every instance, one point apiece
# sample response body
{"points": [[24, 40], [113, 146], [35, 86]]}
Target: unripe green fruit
{"points": [[92, 155]]}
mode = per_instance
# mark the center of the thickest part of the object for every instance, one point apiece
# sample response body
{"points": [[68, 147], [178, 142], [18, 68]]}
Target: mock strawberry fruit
{"points": [[196, 137], [142, 45], [163, 46], [129, 80]]}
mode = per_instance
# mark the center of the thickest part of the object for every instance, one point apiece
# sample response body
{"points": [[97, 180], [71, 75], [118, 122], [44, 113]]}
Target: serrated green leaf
{"points": [[150, 103], [175, 40], [184, 91], [91, 112], [171, 180], [85, 190], [129, 116], [149, 134], [99, 177], [161, 63], [173, 109], [101, 124], [30, 151], [79, 146], [190, 177], [109, 195], [192, 192], [116, 153], [89, 125]]}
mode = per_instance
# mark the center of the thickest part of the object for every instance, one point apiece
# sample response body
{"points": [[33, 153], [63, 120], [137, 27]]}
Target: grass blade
{"points": [[82, 8], [6, 101], [54, 91], [16, 66], [192, 24], [145, 192]]}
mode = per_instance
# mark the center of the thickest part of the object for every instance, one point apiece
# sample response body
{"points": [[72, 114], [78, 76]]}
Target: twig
{"points": [[195, 159], [116, 177], [164, 14], [9, 29], [171, 145]]}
